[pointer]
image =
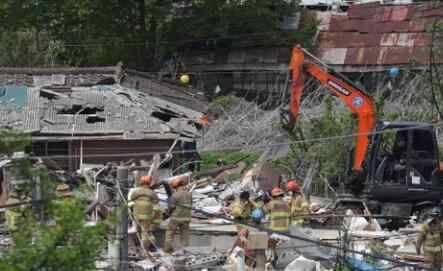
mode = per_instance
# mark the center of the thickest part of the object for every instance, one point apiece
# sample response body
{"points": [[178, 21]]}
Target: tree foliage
{"points": [[13, 141], [65, 243], [332, 156], [68, 245], [141, 33]]}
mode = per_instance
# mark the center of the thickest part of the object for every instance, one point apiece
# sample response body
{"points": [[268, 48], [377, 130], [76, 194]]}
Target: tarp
{"points": [[14, 95], [362, 265]]}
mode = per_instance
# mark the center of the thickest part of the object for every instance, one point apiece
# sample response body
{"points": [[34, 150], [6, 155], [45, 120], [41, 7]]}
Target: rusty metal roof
{"points": [[375, 34]]}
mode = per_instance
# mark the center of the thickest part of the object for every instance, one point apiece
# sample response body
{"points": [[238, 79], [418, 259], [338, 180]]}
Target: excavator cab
{"points": [[397, 168], [404, 172]]}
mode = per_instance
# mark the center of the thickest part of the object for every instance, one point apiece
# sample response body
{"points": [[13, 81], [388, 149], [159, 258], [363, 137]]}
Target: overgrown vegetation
{"points": [[144, 34], [229, 157], [67, 245], [51, 234]]}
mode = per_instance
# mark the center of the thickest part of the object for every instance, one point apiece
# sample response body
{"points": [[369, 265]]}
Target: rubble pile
{"points": [[218, 240]]}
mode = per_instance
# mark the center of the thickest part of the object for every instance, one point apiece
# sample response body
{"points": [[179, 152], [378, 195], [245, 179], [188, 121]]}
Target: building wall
{"points": [[68, 153]]}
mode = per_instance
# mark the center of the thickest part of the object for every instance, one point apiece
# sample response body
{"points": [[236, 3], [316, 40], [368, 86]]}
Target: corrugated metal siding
{"points": [[398, 39], [334, 55], [380, 35]]}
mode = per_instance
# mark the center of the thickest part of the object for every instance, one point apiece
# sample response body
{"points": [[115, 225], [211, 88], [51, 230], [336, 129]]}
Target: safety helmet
{"points": [[145, 180], [62, 188], [435, 212], [176, 182], [257, 215], [293, 186], [276, 192], [179, 181]]}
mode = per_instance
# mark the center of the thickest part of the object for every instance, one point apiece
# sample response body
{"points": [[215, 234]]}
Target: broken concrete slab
{"points": [[303, 264]]}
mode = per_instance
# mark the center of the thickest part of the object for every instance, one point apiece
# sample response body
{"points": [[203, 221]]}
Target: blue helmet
{"points": [[257, 215], [394, 72]]}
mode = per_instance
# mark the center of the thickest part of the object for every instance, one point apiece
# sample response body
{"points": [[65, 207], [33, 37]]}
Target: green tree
{"points": [[227, 20], [332, 156], [68, 245]]}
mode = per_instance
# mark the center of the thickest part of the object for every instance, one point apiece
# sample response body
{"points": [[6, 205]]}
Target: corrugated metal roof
{"points": [[92, 110], [398, 39], [380, 35], [334, 55]]}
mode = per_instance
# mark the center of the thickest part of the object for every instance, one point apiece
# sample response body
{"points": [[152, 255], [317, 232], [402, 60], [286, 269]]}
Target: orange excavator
{"points": [[397, 177], [361, 104]]}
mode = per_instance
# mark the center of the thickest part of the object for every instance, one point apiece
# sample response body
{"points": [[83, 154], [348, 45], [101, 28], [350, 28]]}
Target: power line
{"points": [[234, 148]]}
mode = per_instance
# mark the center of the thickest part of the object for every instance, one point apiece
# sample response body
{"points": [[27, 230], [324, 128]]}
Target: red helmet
{"points": [[293, 186], [145, 180], [276, 192]]}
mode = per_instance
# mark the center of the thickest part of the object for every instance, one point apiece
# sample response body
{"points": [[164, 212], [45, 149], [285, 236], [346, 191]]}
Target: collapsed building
{"points": [[79, 116]]}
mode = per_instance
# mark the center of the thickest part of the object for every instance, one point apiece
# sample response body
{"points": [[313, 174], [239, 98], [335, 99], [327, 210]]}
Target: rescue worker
{"points": [[63, 191], [180, 206], [278, 211], [429, 238], [14, 214], [298, 205], [144, 201], [241, 209]]}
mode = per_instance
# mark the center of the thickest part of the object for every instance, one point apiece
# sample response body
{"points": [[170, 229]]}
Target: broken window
{"points": [[165, 114], [79, 109], [94, 119]]}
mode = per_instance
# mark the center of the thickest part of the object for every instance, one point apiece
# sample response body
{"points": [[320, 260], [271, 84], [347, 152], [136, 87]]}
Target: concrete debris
{"points": [[307, 248], [205, 190], [209, 205], [303, 264], [236, 260], [215, 241], [357, 223]]}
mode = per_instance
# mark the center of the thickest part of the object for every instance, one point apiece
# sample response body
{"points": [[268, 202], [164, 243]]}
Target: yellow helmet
{"points": [[184, 79]]}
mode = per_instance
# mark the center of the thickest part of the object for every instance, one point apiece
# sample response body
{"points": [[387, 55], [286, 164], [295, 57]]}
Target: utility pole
{"points": [[122, 227]]}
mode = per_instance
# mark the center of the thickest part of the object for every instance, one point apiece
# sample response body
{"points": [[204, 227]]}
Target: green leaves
{"points": [[210, 158], [13, 141], [68, 245]]}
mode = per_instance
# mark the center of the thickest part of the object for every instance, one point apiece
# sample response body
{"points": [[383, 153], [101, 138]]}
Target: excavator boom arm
{"points": [[361, 104]]}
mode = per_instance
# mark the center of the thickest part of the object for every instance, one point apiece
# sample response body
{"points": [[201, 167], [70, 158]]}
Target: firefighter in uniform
{"points": [[241, 209], [429, 237], [298, 205], [179, 206], [13, 215], [278, 211], [146, 211]]}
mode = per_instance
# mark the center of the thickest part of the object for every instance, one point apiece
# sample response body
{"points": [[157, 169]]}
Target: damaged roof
{"points": [[377, 37], [94, 110], [166, 89]]}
